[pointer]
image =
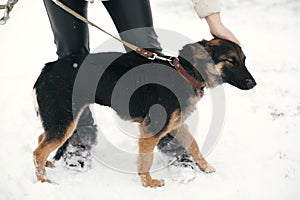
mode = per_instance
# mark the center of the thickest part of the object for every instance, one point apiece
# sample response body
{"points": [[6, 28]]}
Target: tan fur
{"points": [[35, 102], [186, 139], [41, 138], [145, 158], [45, 147], [215, 42], [215, 69], [147, 143], [192, 104], [40, 155], [200, 53], [43, 150]]}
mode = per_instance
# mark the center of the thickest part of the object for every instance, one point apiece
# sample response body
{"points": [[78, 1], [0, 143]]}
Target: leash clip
{"points": [[153, 57], [8, 8], [170, 59]]}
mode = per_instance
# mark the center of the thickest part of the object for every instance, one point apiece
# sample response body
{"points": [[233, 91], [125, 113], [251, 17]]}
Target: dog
{"points": [[211, 63]]}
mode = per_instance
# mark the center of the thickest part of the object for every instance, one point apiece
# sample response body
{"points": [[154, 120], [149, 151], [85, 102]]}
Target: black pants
{"points": [[71, 37]]}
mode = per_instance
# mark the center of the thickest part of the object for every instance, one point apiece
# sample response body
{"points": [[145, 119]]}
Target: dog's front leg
{"points": [[186, 139], [147, 144]]}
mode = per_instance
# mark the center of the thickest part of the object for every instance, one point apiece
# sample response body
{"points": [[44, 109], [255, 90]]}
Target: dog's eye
{"points": [[230, 61]]}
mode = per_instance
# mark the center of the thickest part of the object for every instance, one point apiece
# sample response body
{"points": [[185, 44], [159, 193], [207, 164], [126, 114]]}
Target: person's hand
{"points": [[217, 29]]}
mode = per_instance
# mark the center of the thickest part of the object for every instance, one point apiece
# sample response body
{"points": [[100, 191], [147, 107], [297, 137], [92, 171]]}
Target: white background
{"points": [[258, 155]]}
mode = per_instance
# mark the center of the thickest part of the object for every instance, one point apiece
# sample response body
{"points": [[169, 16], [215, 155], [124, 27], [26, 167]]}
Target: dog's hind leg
{"points": [[45, 147], [40, 139], [186, 139], [147, 143]]}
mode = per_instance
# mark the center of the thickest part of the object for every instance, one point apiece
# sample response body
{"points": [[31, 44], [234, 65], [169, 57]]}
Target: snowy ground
{"points": [[258, 155]]}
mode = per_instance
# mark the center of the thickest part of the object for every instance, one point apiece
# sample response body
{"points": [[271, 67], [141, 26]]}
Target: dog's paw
{"points": [[208, 169], [154, 183], [50, 164], [44, 180]]}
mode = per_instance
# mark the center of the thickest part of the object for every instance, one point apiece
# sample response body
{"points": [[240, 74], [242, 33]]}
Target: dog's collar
{"points": [[174, 62]]}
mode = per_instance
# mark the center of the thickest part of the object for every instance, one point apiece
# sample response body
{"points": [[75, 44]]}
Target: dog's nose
{"points": [[250, 83]]}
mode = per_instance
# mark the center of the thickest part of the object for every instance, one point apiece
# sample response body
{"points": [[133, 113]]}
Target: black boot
{"points": [[181, 166], [76, 151], [78, 156]]}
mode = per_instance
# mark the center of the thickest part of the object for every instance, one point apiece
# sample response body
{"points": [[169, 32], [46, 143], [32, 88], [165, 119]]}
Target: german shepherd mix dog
{"points": [[209, 62]]}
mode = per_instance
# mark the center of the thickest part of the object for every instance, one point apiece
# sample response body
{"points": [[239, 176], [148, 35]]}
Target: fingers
{"points": [[218, 30]]}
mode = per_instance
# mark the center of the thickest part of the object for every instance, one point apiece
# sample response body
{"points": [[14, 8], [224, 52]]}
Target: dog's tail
{"points": [[61, 151]]}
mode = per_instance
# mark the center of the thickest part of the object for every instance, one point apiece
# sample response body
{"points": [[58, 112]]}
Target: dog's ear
{"points": [[187, 52], [203, 42]]}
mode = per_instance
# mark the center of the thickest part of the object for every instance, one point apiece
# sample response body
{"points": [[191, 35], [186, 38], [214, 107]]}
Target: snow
{"points": [[257, 156]]}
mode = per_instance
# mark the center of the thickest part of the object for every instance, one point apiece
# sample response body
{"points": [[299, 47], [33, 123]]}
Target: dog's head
{"points": [[219, 61]]}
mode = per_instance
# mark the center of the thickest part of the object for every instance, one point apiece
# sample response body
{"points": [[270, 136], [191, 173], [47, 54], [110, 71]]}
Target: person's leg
{"points": [[71, 37], [133, 20]]}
